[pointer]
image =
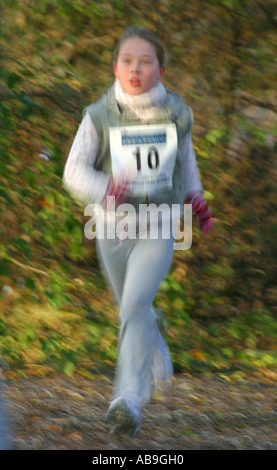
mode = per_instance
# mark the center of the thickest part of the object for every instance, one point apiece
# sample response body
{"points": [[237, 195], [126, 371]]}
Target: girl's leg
{"points": [[140, 342], [113, 258], [135, 269]]}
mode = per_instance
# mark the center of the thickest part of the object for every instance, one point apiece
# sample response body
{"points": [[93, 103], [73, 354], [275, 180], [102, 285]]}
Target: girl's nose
{"points": [[135, 67]]}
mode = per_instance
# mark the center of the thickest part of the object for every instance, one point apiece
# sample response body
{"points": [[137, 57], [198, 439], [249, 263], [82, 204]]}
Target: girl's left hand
{"points": [[206, 223], [203, 211]]}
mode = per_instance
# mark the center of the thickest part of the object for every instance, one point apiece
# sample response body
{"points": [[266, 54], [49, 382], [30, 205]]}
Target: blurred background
{"points": [[219, 303]]}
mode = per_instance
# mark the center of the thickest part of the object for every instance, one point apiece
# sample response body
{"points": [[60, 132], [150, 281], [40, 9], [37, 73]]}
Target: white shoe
{"points": [[125, 415]]}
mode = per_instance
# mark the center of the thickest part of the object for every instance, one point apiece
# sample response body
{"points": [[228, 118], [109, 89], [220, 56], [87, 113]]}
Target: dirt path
{"points": [[198, 413]]}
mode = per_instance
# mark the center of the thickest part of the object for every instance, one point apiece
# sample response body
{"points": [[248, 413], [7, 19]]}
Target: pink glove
{"points": [[202, 210], [116, 189]]}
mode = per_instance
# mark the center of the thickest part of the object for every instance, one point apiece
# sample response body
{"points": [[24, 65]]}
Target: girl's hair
{"points": [[137, 31]]}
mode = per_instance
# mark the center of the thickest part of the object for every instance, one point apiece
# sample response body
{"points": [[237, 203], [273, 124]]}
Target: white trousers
{"points": [[135, 269]]}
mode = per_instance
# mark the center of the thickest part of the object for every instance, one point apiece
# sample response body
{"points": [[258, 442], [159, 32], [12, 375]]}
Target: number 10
{"points": [[153, 159]]}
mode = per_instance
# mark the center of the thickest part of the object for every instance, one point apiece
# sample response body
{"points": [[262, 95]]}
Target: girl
{"points": [[134, 145]]}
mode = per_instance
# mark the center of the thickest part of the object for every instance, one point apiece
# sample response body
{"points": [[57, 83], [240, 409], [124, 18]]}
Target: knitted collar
{"points": [[146, 102]]}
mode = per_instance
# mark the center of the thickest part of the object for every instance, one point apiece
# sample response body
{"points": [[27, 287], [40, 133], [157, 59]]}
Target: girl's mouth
{"points": [[135, 82]]}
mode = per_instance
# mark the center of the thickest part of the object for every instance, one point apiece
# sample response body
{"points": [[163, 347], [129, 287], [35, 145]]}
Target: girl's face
{"points": [[137, 66]]}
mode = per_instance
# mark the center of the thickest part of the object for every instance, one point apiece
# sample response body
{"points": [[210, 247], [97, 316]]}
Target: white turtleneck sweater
{"points": [[90, 185]]}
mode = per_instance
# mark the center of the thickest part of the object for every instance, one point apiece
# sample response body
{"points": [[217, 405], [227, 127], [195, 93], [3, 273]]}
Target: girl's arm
{"points": [[193, 187], [190, 169], [80, 177]]}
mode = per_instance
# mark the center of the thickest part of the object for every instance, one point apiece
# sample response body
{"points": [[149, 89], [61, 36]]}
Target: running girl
{"points": [[134, 145]]}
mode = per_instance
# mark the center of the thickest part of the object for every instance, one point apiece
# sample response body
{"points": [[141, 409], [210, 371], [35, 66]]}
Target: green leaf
{"points": [[68, 367], [13, 79]]}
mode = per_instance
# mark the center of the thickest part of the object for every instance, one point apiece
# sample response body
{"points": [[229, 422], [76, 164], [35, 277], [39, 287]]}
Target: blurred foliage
{"points": [[219, 302]]}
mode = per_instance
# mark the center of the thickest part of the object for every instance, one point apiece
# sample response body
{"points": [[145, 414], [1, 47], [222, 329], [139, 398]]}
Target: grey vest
{"points": [[106, 113]]}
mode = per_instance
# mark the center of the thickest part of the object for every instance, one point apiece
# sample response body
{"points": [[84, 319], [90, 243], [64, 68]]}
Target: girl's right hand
{"points": [[118, 190]]}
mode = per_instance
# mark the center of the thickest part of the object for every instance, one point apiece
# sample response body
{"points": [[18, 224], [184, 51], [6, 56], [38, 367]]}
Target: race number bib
{"points": [[145, 155]]}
